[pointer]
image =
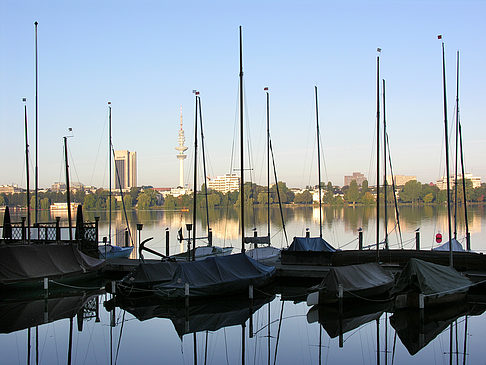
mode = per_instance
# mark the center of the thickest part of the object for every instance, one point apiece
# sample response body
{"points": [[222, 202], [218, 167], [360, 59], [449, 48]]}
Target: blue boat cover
{"points": [[310, 244], [456, 246]]}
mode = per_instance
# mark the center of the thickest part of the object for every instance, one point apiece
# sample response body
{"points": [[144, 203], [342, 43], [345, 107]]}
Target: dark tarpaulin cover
{"points": [[149, 273], [356, 278], [213, 276], [310, 244], [206, 316], [456, 246], [429, 278], [18, 315], [33, 262]]}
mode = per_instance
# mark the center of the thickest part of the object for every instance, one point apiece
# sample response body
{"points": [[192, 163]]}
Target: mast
{"points": [[194, 202], [384, 168], [242, 172], [205, 173], [457, 147], [36, 127], [318, 165], [378, 153], [27, 169], [68, 197], [109, 159], [268, 164], [468, 237], [447, 154]]}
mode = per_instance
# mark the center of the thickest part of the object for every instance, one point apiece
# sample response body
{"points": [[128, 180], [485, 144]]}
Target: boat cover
{"points": [[428, 278], [203, 316], [210, 277], [18, 315], [456, 246], [33, 262], [356, 278], [310, 244]]}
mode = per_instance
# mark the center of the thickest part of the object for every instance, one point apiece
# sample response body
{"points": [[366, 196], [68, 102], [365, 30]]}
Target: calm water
{"points": [[282, 331]]}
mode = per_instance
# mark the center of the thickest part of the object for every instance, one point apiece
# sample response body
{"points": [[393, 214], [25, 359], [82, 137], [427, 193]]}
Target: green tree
{"points": [[368, 199], [170, 202], [147, 199], [411, 191], [90, 202], [303, 198], [352, 195], [428, 198], [45, 204]]}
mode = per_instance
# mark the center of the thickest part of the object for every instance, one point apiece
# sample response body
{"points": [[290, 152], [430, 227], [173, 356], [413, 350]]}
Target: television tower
{"points": [[181, 156]]}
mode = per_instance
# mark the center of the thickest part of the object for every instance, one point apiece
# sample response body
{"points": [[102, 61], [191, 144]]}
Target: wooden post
{"points": [[126, 238], [307, 233], [58, 229], [97, 220], [360, 238], [417, 240], [167, 242], [24, 233], [468, 241]]}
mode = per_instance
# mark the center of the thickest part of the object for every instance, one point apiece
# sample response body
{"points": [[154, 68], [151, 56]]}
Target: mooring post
{"points": [[46, 287], [167, 241], [58, 229], [250, 296], [307, 233], [210, 237], [360, 238], [24, 235], [186, 294], [468, 241], [97, 224], [127, 243], [417, 240], [104, 245], [340, 301]]}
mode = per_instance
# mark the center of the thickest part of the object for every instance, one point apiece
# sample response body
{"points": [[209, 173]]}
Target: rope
{"points": [[368, 299], [76, 287]]}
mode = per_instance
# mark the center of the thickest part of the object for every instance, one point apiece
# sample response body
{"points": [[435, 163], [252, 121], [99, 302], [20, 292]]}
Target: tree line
{"points": [[413, 192]]}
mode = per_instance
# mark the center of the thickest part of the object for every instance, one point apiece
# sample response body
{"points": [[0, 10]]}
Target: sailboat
{"points": [[107, 250], [200, 252], [308, 249], [266, 253]]}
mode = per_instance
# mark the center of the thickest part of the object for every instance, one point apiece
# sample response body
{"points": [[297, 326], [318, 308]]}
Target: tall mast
{"points": [[68, 196], [268, 164], [36, 127], [457, 147], [384, 168], [109, 159], [204, 170], [447, 154], [27, 169], [242, 171], [378, 153], [318, 165], [468, 238], [194, 202]]}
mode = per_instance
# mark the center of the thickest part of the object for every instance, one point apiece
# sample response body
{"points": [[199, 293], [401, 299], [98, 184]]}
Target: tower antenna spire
{"points": [[181, 156]]}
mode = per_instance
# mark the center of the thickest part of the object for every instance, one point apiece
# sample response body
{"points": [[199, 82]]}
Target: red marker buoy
{"points": [[438, 238]]}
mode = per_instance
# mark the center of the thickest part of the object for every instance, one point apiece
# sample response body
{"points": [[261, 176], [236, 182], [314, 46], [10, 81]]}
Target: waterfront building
{"points": [[125, 174], [442, 183], [357, 176], [224, 184], [10, 189], [400, 180]]}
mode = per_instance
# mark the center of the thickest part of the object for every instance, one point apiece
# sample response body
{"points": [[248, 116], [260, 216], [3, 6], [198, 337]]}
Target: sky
{"points": [[147, 57]]}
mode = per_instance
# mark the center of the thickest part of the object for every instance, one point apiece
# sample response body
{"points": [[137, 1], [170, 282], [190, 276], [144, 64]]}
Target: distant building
{"points": [[57, 187], [225, 184], [357, 176], [10, 189], [400, 180], [125, 174], [442, 183]]}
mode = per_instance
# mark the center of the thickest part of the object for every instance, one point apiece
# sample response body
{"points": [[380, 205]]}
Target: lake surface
{"points": [[276, 329]]}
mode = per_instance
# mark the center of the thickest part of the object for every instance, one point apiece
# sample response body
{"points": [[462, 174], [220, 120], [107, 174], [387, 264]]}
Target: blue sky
{"points": [[146, 57]]}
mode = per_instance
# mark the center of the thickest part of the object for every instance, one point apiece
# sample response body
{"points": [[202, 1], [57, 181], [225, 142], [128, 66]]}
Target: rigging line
{"points": [[278, 332], [98, 152], [72, 164], [119, 337], [123, 200], [394, 190], [278, 193]]}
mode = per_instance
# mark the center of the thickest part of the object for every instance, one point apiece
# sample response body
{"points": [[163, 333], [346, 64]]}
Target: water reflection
{"points": [[266, 331]]}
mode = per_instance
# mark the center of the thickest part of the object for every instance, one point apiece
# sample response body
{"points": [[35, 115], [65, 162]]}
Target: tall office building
{"points": [[125, 174]]}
